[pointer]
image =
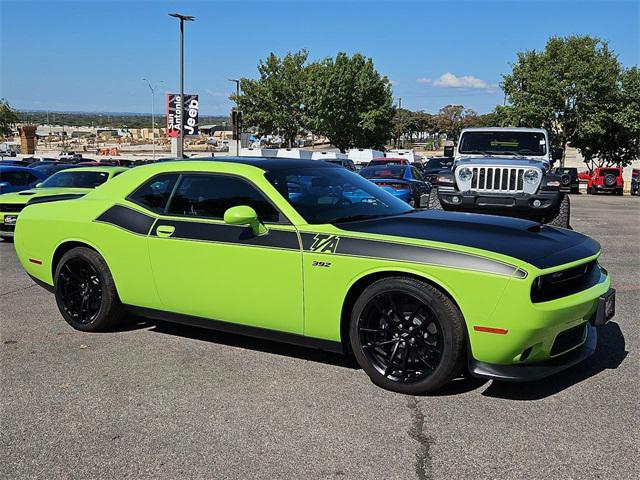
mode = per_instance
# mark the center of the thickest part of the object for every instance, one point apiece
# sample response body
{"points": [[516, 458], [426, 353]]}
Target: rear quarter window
{"points": [[154, 193]]}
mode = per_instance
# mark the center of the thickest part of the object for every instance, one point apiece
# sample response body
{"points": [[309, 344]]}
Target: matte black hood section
{"points": [[540, 245]]}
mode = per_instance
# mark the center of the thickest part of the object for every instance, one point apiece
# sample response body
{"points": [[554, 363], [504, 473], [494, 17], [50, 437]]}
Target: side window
{"points": [[154, 194], [210, 196], [10, 177]]}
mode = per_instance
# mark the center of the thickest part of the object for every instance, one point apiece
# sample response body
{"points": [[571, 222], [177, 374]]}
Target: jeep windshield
{"points": [[76, 179], [503, 143], [334, 195]]}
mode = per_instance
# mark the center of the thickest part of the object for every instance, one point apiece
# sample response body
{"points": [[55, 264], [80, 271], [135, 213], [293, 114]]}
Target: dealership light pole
{"points": [[237, 82], [183, 18], [153, 118]]}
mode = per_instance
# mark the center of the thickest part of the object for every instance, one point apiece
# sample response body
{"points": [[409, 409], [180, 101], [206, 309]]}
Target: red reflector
{"points": [[499, 331], [395, 186], [36, 261]]}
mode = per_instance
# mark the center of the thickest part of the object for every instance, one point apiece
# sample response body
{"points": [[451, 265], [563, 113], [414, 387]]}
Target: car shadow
{"points": [[251, 343], [610, 353]]}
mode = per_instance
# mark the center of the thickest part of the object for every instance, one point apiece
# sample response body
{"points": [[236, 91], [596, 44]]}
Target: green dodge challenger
{"points": [[310, 253], [73, 182]]}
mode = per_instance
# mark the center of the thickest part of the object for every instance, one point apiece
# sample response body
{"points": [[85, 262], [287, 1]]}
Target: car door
{"points": [[420, 186], [206, 268]]}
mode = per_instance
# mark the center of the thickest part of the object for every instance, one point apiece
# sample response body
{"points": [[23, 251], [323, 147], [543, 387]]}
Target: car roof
{"points": [[106, 168], [14, 168], [263, 163], [503, 129]]}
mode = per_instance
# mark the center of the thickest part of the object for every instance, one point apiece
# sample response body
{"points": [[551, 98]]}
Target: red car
{"points": [[388, 161], [606, 179]]}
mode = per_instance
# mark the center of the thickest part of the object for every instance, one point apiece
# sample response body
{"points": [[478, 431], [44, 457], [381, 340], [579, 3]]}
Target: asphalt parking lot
{"points": [[160, 401]]}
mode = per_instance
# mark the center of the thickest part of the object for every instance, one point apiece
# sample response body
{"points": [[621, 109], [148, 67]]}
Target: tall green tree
{"points": [[569, 88], [8, 118], [274, 102], [349, 102], [451, 119]]}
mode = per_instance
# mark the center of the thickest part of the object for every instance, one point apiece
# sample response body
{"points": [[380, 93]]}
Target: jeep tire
{"points": [[434, 200], [561, 218]]}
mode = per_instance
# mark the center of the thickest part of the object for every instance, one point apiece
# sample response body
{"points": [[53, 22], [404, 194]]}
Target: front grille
{"points": [[497, 179], [568, 339], [7, 228], [11, 207], [565, 282]]}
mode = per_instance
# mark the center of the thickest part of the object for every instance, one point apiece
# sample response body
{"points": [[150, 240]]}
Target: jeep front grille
{"points": [[497, 179]]}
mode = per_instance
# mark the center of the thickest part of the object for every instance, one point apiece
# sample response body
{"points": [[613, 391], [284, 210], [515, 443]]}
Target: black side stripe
{"points": [[220, 233], [409, 253], [128, 219]]}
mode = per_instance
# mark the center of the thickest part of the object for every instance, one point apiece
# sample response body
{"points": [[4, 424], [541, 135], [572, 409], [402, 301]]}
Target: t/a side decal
{"points": [[324, 243]]}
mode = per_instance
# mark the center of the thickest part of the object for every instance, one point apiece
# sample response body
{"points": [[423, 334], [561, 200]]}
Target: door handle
{"points": [[165, 230]]}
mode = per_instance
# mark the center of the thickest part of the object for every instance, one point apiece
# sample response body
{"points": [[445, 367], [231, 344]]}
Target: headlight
{"points": [[465, 174], [531, 176], [442, 179]]}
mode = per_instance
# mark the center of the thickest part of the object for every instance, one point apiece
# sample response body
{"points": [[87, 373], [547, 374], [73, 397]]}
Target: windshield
{"points": [[437, 163], [386, 171], [75, 179], [506, 143], [333, 195]]}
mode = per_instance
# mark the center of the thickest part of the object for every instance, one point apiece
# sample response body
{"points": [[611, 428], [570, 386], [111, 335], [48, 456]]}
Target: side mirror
{"points": [[244, 215], [557, 153], [448, 151]]}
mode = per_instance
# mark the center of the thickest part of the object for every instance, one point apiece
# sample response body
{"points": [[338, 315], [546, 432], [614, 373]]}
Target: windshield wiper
{"points": [[473, 152], [515, 154]]}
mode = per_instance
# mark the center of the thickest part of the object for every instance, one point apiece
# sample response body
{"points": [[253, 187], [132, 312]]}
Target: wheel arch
{"points": [[367, 278], [65, 246]]}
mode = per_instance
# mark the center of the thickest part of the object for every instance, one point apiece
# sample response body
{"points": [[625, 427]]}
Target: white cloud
{"points": [[449, 80], [394, 82]]}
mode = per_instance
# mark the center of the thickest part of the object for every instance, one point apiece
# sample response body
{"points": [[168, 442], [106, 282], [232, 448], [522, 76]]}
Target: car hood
{"points": [[540, 245], [26, 195], [502, 161]]}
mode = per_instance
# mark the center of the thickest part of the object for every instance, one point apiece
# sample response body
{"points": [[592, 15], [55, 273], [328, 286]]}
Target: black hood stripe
{"points": [[541, 246], [350, 246]]}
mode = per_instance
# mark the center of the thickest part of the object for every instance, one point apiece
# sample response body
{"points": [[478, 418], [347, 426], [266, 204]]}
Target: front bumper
{"points": [[517, 204], [526, 372]]}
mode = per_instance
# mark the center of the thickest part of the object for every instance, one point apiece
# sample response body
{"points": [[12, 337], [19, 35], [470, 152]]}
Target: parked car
{"points": [[635, 178], [14, 163], [70, 156], [37, 161], [415, 295], [388, 161], [434, 165], [606, 179], [343, 162], [16, 178], [65, 184], [569, 181], [403, 181], [504, 171], [49, 169]]}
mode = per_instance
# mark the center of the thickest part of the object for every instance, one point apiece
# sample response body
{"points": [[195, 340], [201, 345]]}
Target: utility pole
{"points": [[237, 82], [182, 18], [399, 108], [153, 119]]}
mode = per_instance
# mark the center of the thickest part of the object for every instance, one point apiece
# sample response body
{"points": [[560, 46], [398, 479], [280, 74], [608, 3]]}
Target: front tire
{"points": [[407, 336], [434, 200], [85, 292], [562, 217]]}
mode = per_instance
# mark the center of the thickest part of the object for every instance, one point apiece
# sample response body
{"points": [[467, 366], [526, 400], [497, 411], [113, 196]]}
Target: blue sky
{"points": [[91, 55]]}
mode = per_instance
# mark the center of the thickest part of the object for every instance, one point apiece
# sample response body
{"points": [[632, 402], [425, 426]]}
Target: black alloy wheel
{"points": [[80, 290], [85, 291], [401, 337], [407, 335]]}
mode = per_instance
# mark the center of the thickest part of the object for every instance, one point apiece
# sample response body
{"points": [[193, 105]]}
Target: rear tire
{"points": [[562, 217], [434, 200], [85, 292], [407, 336]]}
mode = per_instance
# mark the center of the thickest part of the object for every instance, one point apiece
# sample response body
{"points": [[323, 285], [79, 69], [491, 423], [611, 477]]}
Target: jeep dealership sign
{"points": [[174, 114]]}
